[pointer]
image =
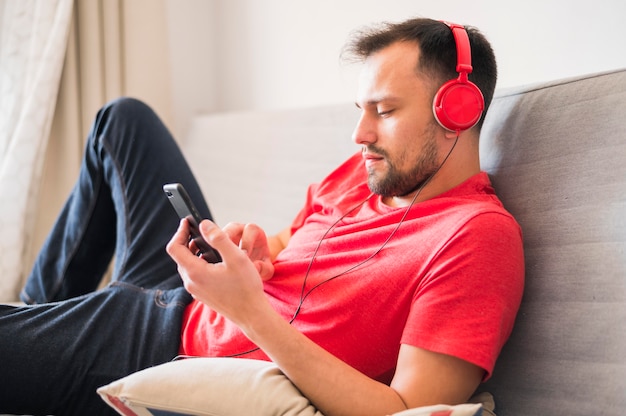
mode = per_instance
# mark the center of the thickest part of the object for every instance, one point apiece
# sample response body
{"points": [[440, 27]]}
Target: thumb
{"points": [[218, 239]]}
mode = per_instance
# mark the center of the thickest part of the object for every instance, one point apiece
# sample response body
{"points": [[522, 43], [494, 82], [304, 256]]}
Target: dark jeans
{"points": [[53, 355]]}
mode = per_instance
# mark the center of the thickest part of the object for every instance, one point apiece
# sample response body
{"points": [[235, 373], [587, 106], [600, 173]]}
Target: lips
{"points": [[368, 152], [368, 156], [372, 158]]}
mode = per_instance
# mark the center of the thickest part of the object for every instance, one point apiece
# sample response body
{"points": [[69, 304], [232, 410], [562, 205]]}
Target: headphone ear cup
{"points": [[458, 105]]}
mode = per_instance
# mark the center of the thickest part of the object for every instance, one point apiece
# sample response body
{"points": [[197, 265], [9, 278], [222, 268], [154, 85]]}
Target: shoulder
{"points": [[471, 207]]}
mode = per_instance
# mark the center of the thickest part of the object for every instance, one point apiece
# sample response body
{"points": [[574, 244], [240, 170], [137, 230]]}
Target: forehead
{"points": [[390, 71]]}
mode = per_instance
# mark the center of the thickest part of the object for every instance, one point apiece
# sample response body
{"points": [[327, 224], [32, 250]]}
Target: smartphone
{"points": [[185, 208]]}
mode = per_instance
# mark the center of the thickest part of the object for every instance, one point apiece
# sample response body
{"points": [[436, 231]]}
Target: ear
{"points": [[451, 134]]}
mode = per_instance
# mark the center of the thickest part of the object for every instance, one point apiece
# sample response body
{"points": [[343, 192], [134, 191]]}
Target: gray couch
{"points": [[556, 153], [557, 156]]}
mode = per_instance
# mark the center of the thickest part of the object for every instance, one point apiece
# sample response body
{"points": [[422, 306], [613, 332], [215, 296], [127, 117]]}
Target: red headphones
{"points": [[459, 103]]}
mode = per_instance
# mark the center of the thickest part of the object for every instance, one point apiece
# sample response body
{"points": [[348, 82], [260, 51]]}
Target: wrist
{"points": [[262, 324]]}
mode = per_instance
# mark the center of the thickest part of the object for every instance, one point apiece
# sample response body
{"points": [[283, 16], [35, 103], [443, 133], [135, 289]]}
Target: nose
{"points": [[364, 132]]}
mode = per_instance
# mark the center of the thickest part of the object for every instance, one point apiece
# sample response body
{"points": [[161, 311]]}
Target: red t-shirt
{"points": [[449, 279]]}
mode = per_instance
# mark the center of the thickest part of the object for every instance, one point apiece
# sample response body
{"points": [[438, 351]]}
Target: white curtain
{"points": [[93, 73], [33, 38], [110, 52]]}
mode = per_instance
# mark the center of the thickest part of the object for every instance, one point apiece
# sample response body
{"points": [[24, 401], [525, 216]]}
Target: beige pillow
{"points": [[221, 387], [208, 386]]}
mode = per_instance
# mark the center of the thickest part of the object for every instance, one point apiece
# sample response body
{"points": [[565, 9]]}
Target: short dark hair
{"points": [[437, 51]]}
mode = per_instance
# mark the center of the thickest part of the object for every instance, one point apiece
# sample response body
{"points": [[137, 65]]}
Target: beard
{"points": [[395, 182]]}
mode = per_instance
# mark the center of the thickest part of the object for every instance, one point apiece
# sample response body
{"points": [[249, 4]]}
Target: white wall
{"points": [[268, 54], [193, 59]]}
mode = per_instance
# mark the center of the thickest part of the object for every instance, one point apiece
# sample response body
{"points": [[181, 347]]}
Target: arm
{"points": [[422, 377], [234, 289]]}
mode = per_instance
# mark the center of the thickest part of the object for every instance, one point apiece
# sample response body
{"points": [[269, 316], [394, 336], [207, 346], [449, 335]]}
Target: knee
{"points": [[123, 113], [128, 106]]}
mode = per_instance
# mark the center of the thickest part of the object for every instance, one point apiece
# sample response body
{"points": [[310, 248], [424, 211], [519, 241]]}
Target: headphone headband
{"points": [[463, 50]]}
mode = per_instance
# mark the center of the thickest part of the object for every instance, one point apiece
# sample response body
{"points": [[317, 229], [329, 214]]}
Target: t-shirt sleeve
{"points": [[466, 305]]}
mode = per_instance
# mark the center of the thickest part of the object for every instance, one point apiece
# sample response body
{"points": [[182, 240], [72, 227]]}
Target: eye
{"points": [[384, 112]]}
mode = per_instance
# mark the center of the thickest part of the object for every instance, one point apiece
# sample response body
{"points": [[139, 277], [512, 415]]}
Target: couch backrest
{"points": [[256, 166], [556, 154]]}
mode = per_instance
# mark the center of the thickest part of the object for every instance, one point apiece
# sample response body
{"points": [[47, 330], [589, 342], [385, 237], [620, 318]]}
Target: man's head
{"points": [[437, 47], [403, 145]]}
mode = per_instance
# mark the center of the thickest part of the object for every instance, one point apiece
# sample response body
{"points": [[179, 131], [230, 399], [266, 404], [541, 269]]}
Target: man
{"points": [[395, 286]]}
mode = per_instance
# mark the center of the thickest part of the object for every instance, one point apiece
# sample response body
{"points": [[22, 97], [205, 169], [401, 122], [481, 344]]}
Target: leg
{"points": [[117, 205], [55, 356]]}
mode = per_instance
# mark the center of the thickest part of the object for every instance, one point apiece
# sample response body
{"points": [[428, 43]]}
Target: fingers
{"points": [[265, 269], [249, 237], [236, 242], [234, 231], [253, 239]]}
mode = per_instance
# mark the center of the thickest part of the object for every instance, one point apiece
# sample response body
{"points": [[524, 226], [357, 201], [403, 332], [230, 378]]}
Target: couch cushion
{"points": [[557, 157]]}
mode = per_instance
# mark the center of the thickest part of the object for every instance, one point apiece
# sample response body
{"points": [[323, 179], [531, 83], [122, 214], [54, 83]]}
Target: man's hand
{"points": [[252, 240], [232, 287]]}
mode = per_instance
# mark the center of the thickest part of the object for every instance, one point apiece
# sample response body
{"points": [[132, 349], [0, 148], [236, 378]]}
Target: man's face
{"points": [[397, 128]]}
